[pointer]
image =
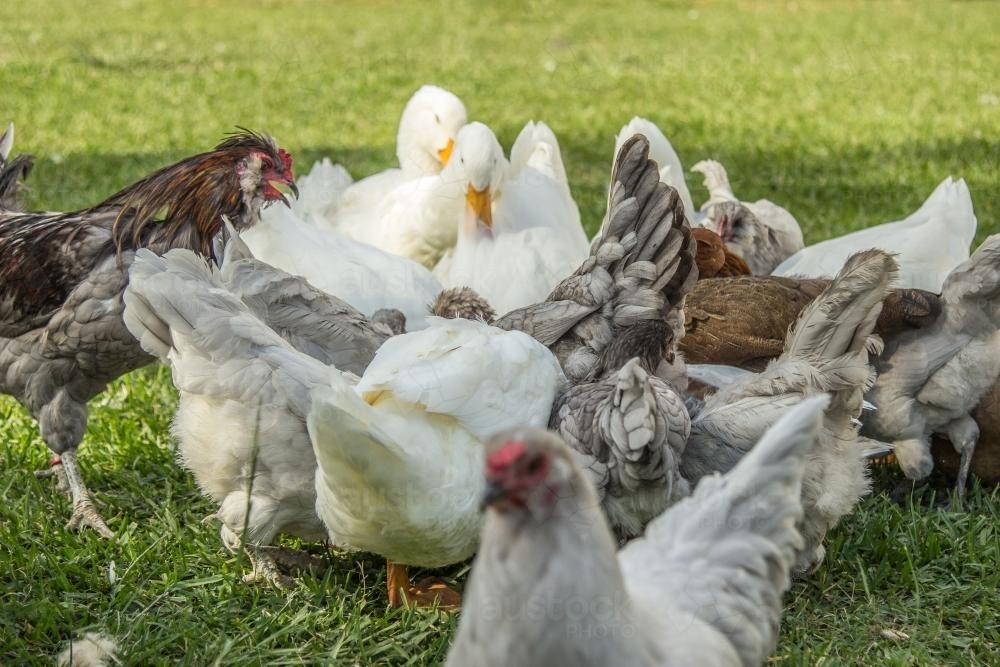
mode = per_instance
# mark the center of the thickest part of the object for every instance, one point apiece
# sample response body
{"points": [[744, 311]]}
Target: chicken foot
{"points": [[267, 559], [66, 470], [425, 593]]}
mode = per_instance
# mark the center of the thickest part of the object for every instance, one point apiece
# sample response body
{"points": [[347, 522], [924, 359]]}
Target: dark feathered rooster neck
{"points": [[182, 205]]}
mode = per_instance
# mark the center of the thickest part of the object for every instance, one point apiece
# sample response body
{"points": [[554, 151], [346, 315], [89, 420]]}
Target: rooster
{"points": [[62, 339]]}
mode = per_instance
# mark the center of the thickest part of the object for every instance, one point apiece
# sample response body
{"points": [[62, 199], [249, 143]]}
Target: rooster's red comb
{"points": [[286, 159]]}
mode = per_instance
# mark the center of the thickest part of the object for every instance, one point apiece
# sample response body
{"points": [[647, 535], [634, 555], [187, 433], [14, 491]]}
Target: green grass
{"points": [[848, 114]]}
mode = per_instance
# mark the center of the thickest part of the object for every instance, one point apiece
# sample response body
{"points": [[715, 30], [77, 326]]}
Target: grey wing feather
{"points": [[314, 322], [180, 311], [729, 546]]}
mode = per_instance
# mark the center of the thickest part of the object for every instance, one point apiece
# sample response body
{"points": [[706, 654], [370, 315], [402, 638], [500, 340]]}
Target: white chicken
{"points": [[399, 453], [245, 394], [928, 244], [520, 233], [702, 587], [762, 233], [826, 351]]}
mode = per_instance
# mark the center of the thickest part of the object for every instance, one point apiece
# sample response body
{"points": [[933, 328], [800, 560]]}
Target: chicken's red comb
{"points": [[286, 159], [501, 458]]}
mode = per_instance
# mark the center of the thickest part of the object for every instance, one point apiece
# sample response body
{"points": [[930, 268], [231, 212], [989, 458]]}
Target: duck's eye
{"points": [[437, 119]]}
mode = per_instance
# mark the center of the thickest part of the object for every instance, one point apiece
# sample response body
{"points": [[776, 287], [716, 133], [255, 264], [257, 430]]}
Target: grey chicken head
{"points": [[529, 471], [737, 226]]}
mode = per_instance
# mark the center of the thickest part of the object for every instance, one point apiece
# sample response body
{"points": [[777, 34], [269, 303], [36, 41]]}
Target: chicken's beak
{"points": [[479, 202], [444, 154], [495, 491], [274, 184]]}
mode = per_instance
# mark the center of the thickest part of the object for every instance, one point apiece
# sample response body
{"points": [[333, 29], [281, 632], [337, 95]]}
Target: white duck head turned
{"points": [[480, 158], [427, 131]]}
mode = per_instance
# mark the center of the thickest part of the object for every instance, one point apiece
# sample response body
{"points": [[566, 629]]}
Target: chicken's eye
{"points": [[535, 465]]}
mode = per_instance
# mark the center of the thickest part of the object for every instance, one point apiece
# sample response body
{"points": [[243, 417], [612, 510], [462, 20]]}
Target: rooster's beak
{"points": [[479, 202], [444, 154]]}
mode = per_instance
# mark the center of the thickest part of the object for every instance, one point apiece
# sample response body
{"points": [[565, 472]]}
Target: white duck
{"points": [[928, 244], [520, 232], [660, 149], [400, 210], [400, 453], [702, 587]]}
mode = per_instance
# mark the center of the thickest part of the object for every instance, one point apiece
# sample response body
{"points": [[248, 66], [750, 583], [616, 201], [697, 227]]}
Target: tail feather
{"points": [[716, 182], [842, 318], [12, 175]]}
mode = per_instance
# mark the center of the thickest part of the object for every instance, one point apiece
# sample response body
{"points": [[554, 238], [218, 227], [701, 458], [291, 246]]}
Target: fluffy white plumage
{"points": [[400, 455], [520, 233], [244, 395], [94, 649], [929, 243]]}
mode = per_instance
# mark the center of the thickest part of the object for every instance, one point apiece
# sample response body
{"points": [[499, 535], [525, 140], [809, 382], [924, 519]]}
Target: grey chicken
{"points": [[641, 266], [702, 587], [627, 428], [826, 351], [931, 380], [62, 339], [761, 232]]}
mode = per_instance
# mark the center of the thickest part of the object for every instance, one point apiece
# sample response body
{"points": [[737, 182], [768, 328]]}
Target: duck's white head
{"points": [[427, 130], [480, 157]]}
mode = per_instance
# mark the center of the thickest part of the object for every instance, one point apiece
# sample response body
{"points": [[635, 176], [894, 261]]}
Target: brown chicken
{"points": [[714, 259], [62, 338], [743, 321]]}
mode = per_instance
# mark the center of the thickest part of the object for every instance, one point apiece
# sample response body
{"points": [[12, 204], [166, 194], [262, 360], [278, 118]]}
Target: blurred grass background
{"points": [[847, 113]]}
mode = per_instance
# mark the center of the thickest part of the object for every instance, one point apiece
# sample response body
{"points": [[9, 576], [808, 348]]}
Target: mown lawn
{"points": [[846, 113]]}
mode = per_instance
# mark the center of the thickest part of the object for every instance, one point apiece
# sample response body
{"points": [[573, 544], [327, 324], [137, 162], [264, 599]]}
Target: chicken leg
{"points": [[963, 433], [67, 473], [266, 560], [425, 593]]}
